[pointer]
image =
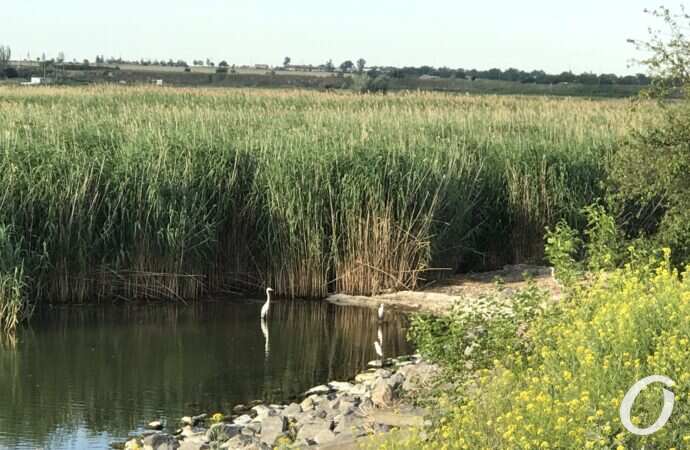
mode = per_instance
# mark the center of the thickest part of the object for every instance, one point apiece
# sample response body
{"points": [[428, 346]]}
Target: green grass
{"points": [[173, 193]]}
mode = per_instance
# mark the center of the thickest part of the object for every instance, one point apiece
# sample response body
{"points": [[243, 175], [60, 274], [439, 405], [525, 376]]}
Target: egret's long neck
{"points": [[268, 297]]}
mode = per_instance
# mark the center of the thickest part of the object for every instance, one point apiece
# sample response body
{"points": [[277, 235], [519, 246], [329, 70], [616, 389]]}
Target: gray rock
{"points": [[382, 395], [365, 376], [187, 431], [305, 417], [199, 418], [194, 444], [417, 375], [160, 441], [186, 420], [348, 423], [323, 409], [335, 404], [238, 409], [341, 386], [155, 425], [366, 405], [396, 380], [193, 420], [221, 432], [358, 390], [318, 390], [262, 411], [383, 373], [309, 430], [381, 428], [291, 410], [377, 363], [240, 441], [308, 403], [324, 437], [346, 402], [272, 427], [254, 427], [243, 420]]}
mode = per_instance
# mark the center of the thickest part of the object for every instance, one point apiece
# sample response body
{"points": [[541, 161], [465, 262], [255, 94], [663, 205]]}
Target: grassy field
{"points": [[175, 193]]}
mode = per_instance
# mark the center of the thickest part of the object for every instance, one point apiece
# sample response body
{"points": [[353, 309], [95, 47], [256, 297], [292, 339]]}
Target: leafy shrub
{"points": [[477, 330], [651, 171], [563, 245], [601, 247], [11, 72], [365, 83]]}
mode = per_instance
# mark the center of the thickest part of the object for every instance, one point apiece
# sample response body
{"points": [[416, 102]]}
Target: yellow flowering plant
{"points": [[564, 389]]}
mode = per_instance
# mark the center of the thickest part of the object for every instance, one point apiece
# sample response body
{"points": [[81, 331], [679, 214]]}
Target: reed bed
{"points": [[174, 193]]}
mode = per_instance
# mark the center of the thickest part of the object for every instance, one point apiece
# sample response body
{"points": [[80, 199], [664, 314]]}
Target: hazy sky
{"points": [[583, 35]]}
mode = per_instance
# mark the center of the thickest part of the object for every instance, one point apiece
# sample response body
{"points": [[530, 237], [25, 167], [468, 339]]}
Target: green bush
{"points": [[651, 174], [365, 83], [478, 330]]}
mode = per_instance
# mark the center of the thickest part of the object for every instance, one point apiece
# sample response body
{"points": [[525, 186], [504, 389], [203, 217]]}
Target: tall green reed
{"points": [[174, 193]]}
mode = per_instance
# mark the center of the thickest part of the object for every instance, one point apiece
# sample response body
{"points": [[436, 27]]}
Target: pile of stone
{"points": [[333, 415]]}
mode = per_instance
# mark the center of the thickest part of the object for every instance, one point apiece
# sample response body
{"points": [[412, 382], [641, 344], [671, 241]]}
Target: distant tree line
{"points": [[100, 59], [516, 75], [348, 66]]}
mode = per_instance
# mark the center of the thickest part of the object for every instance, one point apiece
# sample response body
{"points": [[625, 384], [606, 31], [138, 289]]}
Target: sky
{"points": [[553, 35]]}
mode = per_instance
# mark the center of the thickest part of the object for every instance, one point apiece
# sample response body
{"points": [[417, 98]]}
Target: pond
{"points": [[86, 377]]}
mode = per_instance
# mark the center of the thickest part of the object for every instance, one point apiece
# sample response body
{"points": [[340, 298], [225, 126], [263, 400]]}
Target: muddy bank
{"points": [[439, 297]]}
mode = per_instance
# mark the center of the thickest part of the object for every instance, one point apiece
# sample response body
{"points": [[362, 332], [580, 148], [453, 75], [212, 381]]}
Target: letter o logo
{"points": [[631, 395]]}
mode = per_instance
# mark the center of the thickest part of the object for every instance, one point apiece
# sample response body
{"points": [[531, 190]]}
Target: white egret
{"points": [[379, 350], [267, 305], [381, 311]]}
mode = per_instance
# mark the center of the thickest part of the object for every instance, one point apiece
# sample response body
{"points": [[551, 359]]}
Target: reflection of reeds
{"points": [[113, 369]]}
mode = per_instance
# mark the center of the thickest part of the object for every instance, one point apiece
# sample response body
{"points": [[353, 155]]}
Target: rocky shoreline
{"points": [[335, 415]]}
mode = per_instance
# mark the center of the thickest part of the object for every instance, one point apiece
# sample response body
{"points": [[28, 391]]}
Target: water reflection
{"points": [[79, 378], [264, 331]]}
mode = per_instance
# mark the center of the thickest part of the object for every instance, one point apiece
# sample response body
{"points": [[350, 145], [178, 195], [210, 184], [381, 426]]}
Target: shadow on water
{"points": [[82, 377]]}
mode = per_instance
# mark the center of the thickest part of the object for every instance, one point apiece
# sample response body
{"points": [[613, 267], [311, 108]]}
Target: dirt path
{"points": [[438, 297]]}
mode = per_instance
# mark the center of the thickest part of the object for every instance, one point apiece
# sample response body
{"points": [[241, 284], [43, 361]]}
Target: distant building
{"points": [[429, 77], [300, 68], [262, 66], [34, 81]]}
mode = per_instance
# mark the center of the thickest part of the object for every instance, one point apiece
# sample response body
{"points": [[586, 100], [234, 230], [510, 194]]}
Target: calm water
{"points": [[85, 377]]}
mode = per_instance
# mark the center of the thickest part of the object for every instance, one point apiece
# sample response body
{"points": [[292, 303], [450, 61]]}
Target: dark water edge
{"points": [[82, 377]]}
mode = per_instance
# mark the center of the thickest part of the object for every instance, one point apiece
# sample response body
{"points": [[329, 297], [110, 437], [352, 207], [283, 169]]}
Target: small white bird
{"points": [[267, 305], [380, 333], [379, 350], [381, 311]]}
